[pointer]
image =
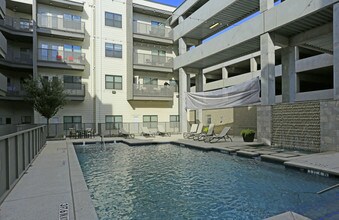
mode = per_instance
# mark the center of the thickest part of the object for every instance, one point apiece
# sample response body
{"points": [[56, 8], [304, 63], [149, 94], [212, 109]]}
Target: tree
{"points": [[47, 97]]}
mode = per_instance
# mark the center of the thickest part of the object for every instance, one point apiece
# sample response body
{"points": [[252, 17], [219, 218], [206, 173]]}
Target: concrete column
{"points": [[267, 70], [288, 59], [183, 85], [253, 65], [199, 87], [336, 51], [224, 73], [35, 40], [266, 5]]}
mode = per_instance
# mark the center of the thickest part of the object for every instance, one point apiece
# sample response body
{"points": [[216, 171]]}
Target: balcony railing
{"points": [[17, 24], [153, 60], [74, 89], [144, 90], [3, 83], [61, 56], [2, 8], [15, 91], [3, 43], [16, 56], [155, 31], [59, 23]]}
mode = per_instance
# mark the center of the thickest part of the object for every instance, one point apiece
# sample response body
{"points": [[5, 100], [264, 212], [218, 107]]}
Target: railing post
{"points": [[17, 156], [7, 164]]}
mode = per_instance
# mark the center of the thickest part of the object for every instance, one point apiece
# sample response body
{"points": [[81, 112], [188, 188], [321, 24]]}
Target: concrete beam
{"points": [[182, 9], [311, 34], [266, 5]]}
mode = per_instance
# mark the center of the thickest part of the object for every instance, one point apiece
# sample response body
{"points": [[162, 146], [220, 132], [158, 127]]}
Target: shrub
{"points": [[247, 132], [205, 130]]}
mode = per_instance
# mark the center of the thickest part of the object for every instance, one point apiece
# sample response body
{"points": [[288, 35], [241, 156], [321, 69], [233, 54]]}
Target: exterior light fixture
{"points": [[214, 25]]}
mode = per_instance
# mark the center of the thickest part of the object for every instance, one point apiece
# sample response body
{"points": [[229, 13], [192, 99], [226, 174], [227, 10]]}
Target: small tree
{"points": [[47, 97]]}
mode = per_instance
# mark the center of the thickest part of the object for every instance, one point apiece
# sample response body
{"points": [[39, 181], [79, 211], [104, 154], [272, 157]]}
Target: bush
{"points": [[205, 130], [247, 132]]}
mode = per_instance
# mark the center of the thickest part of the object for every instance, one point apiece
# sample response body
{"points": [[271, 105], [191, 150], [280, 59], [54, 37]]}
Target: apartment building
{"points": [[291, 45], [115, 59]]}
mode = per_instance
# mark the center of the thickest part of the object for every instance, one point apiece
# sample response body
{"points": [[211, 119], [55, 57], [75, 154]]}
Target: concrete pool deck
{"points": [[56, 178]]}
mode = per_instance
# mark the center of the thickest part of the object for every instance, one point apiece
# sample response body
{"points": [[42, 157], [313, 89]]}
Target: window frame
{"points": [[73, 123], [151, 123], [114, 21], [113, 124], [113, 50], [114, 82]]}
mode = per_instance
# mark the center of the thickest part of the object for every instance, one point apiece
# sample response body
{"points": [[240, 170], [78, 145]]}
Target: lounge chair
{"points": [[162, 131], [223, 135], [145, 132], [199, 131], [203, 136], [125, 134], [194, 128]]}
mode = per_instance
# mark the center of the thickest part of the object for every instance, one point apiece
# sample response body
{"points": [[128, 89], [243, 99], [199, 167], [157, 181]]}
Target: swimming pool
{"points": [[170, 182]]}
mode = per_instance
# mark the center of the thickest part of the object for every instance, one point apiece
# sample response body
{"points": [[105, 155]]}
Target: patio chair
{"points": [[194, 128], [125, 134], [162, 131], [203, 136], [198, 132], [89, 132], [145, 132], [73, 133], [223, 135]]}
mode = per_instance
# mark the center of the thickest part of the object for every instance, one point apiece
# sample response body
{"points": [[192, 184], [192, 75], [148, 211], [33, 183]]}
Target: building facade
{"points": [[115, 59]]}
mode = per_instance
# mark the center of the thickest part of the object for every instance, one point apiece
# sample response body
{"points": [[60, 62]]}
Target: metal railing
{"points": [[74, 89], [148, 29], [61, 56], [3, 83], [3, 7], [14, 91], [3, 43], [153, 60], [17, 24], [18, 150], [145, 90], [59, 23], [15, 55]]}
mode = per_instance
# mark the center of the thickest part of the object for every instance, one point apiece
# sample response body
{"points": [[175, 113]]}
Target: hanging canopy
{"points": [[237, 95]]}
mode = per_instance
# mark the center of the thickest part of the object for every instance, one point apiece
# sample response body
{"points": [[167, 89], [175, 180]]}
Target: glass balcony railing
{"points": [[3, 43], [151, 30], [60, 23], [19, 24], [19, 56], [3, 83], [61, 56], [2, 7], [153, 60], [74, 89], [145, 90], [15, 91]]}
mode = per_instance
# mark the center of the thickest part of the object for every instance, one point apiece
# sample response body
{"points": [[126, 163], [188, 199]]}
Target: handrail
{"points": [[148, 29], [153, 60], [60, 23], [20, 132], [61, 56]]}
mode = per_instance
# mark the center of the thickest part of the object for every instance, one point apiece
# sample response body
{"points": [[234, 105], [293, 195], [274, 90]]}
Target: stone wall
{"points": [[329, 121], [264, 124], [296, 126]]}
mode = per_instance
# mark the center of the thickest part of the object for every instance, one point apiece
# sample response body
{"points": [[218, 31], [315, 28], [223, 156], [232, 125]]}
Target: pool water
{"points": [[171, 182]]}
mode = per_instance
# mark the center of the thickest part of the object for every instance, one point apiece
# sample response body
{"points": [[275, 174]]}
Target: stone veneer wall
{"points": [[329, 120], [296, 126], [264, 124]]}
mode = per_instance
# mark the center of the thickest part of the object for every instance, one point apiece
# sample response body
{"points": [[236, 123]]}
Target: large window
{"points": [[72, 82], [113, 82], [113, 20], [174, 121], [72, 122], [113, 50], [150, 81], [113, 122], [150, 121]]}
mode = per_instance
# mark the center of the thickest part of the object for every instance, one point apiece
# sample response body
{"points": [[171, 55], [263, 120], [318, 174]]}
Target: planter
{"points": [[248, 137]]}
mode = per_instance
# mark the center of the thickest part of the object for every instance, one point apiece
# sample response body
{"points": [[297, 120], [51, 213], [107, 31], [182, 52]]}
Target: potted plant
{"points": [[248, 135]]}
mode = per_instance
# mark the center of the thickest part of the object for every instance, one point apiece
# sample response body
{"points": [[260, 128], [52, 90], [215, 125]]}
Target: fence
{"points": [[17, 151]]}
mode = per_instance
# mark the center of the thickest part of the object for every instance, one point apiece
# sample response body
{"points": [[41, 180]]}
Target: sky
{"points": [[170, 2]]}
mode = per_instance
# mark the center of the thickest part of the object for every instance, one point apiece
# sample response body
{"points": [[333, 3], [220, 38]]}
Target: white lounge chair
{"points": [[203, 136], [162, 131], [145, 132], [124, 133], [223, 135], [198, 132], [194, 128]]}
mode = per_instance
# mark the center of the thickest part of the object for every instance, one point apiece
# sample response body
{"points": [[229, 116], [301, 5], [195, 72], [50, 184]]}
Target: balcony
{"points": [[16, 58], [76, 5], [61, 59], [153, 92], [153, 62], [14, 93], [2, 9], [147, 32], [52, 25], [75, 91], [3, 46], [17, 26], [3, 85]]}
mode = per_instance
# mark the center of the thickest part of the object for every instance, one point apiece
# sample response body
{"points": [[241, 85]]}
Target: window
{"points": [[25, 24], [113, 82], [113, 122], [72, 22], [150, 121], [113, 50], [72, 122], [8, 121], [209, 119], [150, 81], [174, 121], [26, 120], [113, 20], [72, 82]]}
